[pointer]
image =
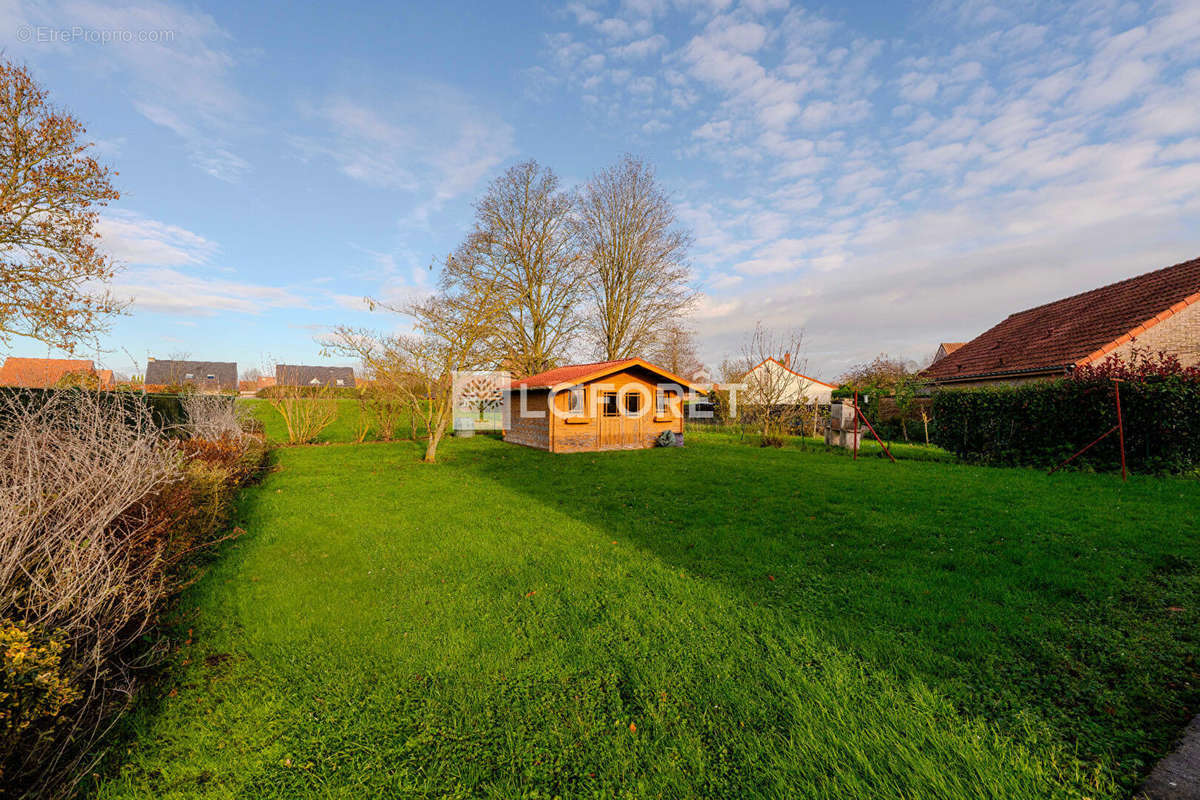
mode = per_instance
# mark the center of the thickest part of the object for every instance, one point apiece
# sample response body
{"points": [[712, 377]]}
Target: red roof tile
{"points": [[40, 372], [1075, 330], [553, 377], [578, 373]]}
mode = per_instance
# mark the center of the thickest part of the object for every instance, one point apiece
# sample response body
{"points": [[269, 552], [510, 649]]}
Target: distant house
{"points": [[43, 373], [1158, 311], [787, 385], [945, 349], [608, 405], [301, 375], [262, 382], [204, 376]]}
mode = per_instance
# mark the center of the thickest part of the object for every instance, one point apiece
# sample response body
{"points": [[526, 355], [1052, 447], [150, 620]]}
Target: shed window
{"points": [[611, 409], [633, 402], [189, 376], [664, 401], [575, 400]]}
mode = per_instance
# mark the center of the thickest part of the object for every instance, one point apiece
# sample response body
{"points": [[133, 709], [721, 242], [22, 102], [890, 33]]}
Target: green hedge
{"points": [[345, 392], [1041, 424], [166, 409]]}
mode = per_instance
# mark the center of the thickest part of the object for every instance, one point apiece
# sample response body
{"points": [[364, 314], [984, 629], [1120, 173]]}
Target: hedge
{"points": [[1042, 424], [344, 392], [166, 409]]}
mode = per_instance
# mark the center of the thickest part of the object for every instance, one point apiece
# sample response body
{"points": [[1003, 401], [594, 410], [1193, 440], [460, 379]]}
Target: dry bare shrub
{"points": [[213, 416], [305, 412], [84, 551]]}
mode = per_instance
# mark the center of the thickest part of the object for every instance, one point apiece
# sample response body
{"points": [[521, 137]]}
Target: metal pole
{"points": [[1120, 425], [856, 424]]}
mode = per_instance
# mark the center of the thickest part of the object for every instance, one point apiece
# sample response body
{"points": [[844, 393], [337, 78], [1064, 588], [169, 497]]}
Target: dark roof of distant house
{"points": [[165, 372], [34, 373], [582, 373], [1074, 331], [304, 375]]}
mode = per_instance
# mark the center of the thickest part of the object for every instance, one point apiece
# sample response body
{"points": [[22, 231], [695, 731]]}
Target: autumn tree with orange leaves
{"points": [[52, 273]]}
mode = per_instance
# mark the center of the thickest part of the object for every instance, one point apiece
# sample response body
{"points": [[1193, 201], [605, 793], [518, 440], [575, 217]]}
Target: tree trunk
{"points": [[435, 436]]}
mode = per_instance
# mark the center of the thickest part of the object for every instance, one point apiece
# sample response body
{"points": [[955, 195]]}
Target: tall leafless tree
{"points": [[636, 257], [524, 248], [675, 351]]}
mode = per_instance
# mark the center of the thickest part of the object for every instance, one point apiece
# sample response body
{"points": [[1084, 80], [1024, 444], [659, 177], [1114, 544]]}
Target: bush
{"points": [[1042, 424], [212, 416], [34, 685], [98, 513], [305, 414]]}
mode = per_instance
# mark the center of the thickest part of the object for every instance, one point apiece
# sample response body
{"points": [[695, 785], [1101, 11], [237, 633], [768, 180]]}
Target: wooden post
{"points": [[856, 424], [1120, 425]]}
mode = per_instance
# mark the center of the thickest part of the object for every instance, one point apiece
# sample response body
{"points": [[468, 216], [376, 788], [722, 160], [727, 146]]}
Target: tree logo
{"points": [[481, 401]]}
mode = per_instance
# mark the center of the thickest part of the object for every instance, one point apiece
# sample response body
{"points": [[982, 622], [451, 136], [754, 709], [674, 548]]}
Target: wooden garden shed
{"points": [[608, 405]]}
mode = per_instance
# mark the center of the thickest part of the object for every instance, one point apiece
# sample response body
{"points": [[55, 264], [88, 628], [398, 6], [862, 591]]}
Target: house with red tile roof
{"points": [[606, 405], [945, 349], [43, 373], [1157, 311], [787, 385]]}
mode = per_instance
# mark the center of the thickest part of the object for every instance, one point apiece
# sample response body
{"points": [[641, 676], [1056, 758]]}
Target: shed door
{"points": [[621, 417]]}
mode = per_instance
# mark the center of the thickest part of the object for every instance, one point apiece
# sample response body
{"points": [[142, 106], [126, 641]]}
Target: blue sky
{"points": [[883, 176]]}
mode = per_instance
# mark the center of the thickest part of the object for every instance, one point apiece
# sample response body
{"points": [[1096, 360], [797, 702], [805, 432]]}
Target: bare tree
{"points": [[675, 350], [774, 393], [524, 247], [50, 265], [636, 256]]}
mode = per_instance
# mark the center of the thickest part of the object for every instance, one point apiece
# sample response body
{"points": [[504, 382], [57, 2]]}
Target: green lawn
{"points": [[713, 621], [344, 428]]}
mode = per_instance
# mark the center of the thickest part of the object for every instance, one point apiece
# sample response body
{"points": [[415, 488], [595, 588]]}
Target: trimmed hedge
{"points": [[167, 410], [1042, 424], [344, 392]]}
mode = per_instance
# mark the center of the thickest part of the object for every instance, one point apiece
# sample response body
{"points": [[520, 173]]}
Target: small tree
{"points": [[454, 329], [773, 392], [904, 392], [50, 265]]}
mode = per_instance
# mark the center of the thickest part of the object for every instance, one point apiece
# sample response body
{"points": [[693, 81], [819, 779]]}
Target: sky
{"points": [[882, 176]]}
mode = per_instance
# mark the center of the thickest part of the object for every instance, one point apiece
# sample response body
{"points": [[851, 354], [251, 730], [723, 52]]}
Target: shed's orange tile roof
{"points": [[1075, 330], [33, 373], [553, 377]]}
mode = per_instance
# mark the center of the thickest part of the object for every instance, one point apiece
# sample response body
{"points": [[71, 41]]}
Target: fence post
{"points": [[856, 424], [1120, 425]]}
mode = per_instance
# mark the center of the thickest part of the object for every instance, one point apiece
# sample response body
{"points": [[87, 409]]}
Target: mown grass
{"points": [[344, 428], [712, 621]]}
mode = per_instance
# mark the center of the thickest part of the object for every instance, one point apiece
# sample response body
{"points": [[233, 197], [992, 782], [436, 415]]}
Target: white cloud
{"points": [[181, 78], [133, 239], [171, 291], [429, 139]]}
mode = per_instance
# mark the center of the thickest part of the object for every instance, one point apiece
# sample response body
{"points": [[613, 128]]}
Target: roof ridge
{"points": [[1114, 284]]}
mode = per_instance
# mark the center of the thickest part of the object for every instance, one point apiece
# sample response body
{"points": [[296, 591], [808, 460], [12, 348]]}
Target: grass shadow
{"points": [[1066, 602]]}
